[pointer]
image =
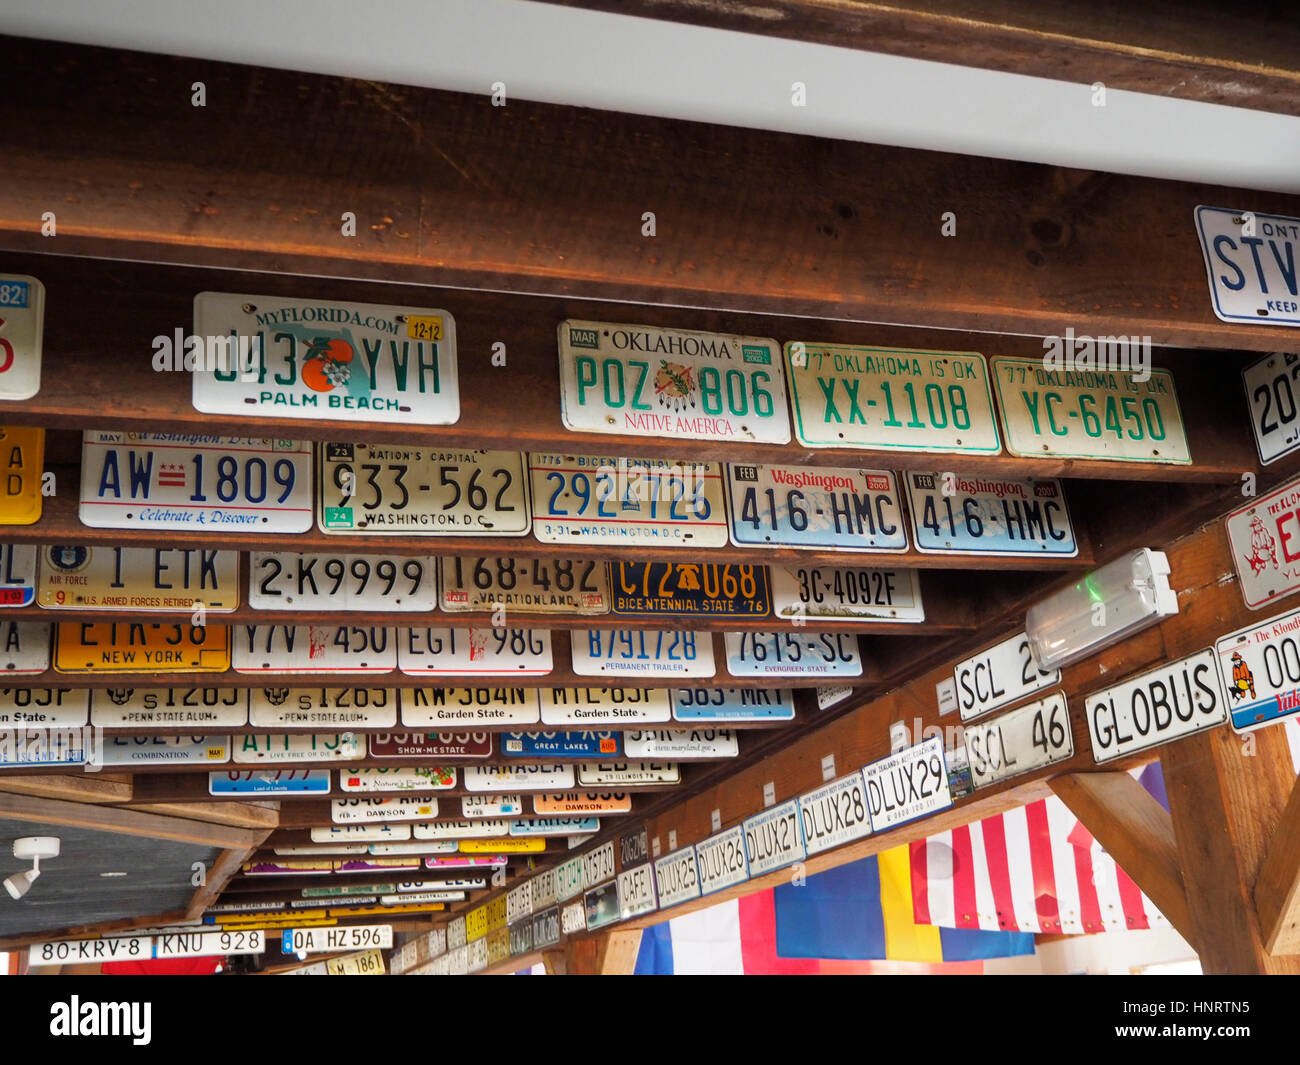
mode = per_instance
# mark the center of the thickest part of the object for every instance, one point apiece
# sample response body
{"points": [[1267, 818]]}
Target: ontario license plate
{"points": [[570, 744], [618, 774], [641, 652], [17, 574], [891, 399], [269, 782], [164, 750], [468, 707], [483, 652], [22, 329], [681, 744], [815, 506], [289, 581], [540, 586], [989, 516], [314, 649], [689, 589], [1090, 414], [732, 704], [135, 647], [139, 578], [606, 706], [266, 356], [179, 481], [774, 838], [296, 747], [22, 465], [329, 708], [1247, 283], [646, 503], [401, 491], [1030, 737], [642, 381], [843, 593], [766, 654], [168, 707], [431, 745], [395, 778]]}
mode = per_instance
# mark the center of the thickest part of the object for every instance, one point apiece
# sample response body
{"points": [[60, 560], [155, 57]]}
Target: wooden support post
{"points": [[555, 962], [608, 954], [1227, 794], [1277, 891]]}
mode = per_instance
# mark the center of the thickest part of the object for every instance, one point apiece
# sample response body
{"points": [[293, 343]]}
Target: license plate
{"points": [[197, 944], [346, 937], [164, 750], [360, 833], [560, 744], [989, 516], [393, 778], [645, 503], [1090, 414], [314, 649], [568, 879], [431, 745], [22, 328], [601, 774], [546, 928], [1020, 741], [732, 704], [402, 491], [649, 383], [139, 579], [295, 747], [1260, 671], [289, 581], [1247, 282], [677, 877], [681, 744], [149, 647], [417, 846], [891, 399], [291, 868], [636, 891], [516, 777], [999, 676], [641, 652], [774, 838], [468, 707], [847, 593], [395, 808], [368, 963], [166, 707], [607, 706], [538, 586], [598, 865], [178, 481], [907, 785], [1261, 537], [328, 708], [721, 860], [502, 846], [23, 708], [491, 806], [835, 813], [689, 589], [770, 654], [479, 829], [22, 465], [42, 747], [583, 802], [341, 890], [1271, 392], [271, 357], [17, 574], [815, 506], [481, 652], [553, 826], [269, 782]]}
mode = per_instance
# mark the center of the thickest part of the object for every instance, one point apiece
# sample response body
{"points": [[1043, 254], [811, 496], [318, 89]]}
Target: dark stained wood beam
{"points": [[219, 876]]}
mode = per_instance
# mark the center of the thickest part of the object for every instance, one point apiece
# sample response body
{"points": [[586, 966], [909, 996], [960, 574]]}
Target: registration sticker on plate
{"points": [[17, 574], [606, 706], [149, 647], [269, 782], [394, 778], [22, 328], [286, 747], [179, 481], [402, 491], [618, 774], [1030, 737], [1090, 414], [22, 464], [989, 516], [1247, 283], [642, 652], [468, 707], [314, 649], [22, 708], [271, 357], [431, 745], [681, 744], [560, 744], [289, 581], [337, 708], [645, 503], [139, 579], [815, 506], [844, 593], [164, 750], [481, 652], [169, 707], [689, 589], [732, 704], [1260, 670], [909, 784], [793, 654], [536, 585]]}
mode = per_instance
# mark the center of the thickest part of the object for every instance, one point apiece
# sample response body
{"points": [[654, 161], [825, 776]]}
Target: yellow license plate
{"points": [[22, 461], [502, 846], [140, 647], [496, 913], [498, 946], [370, 963], [476, 924]]}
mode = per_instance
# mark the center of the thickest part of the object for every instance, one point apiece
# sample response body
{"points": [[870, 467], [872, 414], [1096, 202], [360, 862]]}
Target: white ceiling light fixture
{"points": [[30, 849]]}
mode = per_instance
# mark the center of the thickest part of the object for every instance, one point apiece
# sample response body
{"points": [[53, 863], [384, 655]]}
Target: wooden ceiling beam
{"points": [[1277, 888], [126, 822]]}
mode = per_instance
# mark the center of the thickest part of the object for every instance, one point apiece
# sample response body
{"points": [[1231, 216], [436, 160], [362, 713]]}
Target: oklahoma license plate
{"points": [[271, 357], [291, 581], [814, 506], [642, 652], [22, 328], [733, 704], [891, 399], [17, 574], [181, 481], [646, 503], [468, 707], [337, 708], [689, 589], [139, 578], [641, 381], [169, 707], [1089, 414], [135, 647], [847, 593], [793, 654], [484, 652], [314, 649], [404, 491], [536, 585], [989, 516], [295, 747], [22, 465]]}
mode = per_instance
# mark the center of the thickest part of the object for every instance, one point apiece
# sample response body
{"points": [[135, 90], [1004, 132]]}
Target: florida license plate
{"points": [[22, 465], [22, 329], [484, 652], [402, 491], [642, 652], [144, 579], [793, 654], [989, 516], [335, 582], [689, 589], [140, 647], [539, 586], [847, 593], [17, 574]]}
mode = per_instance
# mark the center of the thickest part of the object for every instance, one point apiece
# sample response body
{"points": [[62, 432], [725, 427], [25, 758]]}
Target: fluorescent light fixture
{"points": [[1108, 605]]}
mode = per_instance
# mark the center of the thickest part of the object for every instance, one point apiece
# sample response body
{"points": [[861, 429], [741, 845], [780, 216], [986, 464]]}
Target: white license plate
{"points": [[1030, 737], [291, 581], [649, 383], [606, 706], [847, 593], [835, 813], [403, 491], [616, 774], [891, 399], [642, 653], [681, 744], [17, 573], [164, 750], [286, 747], [272, 357], [414, 847], [394, 808], [568, 879], [774, 838], [1090, 414], [553, 826], [636, 891], [24, 647], [646, 503], [468, 707], [732, 704], [1271, 392], [1260, 670], [269, 782], [538, 586], [1262, 537], [491, 806], [815, 506], [598, 865], [677, 877], [999, 676], [393, 778], [42, 747], [482, 828], [346, 937], [909, 784], [517, 777], [482, 652], [178, 481], [793, 654], [198, 944], [24, 708], [22, 329], [169, 707], [721, 860], [954, 515], [1252, 271], [138, 579], [360, 833], [322, 708], [314, 649]]}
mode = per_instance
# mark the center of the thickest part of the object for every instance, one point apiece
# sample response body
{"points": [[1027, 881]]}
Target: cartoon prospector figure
{"points": [[1242, 679], [1263, 548]]}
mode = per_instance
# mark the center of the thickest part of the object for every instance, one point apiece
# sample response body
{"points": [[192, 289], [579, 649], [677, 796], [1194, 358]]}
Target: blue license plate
{"points": [[953, 514], [733, 704], [560, 744], [269, 782]]}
